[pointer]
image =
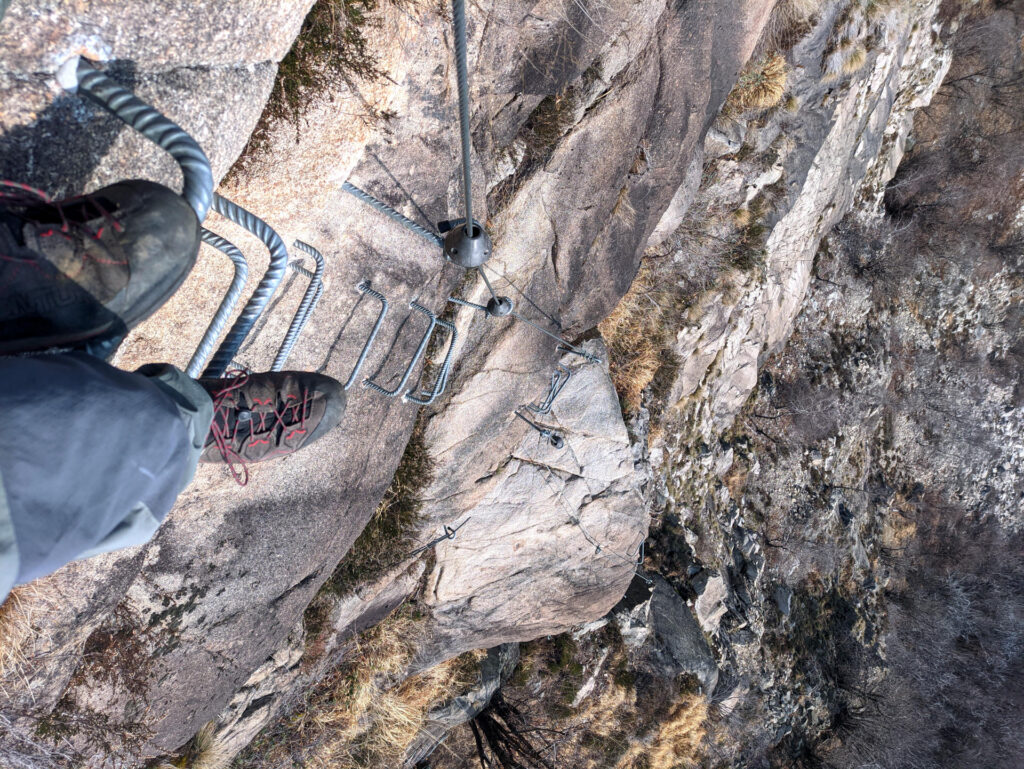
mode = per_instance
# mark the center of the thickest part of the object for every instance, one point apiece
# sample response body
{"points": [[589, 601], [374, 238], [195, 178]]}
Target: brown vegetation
{"points": [[635, 334], [390, 534], [365, 713], [629, 720], [331, 51], [18, 617], [761, 85]]}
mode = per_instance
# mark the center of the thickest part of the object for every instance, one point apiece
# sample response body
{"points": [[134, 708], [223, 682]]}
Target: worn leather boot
{"points": [[263, 416], [81, 272]]}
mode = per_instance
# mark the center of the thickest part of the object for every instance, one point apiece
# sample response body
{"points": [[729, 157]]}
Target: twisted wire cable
{"points": [[123, 104], [234, 293], [305, 306], [633, 561], [388, 211], [261, 296]]}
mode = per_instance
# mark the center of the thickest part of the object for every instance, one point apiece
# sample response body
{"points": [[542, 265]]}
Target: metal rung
{"points": [[415, 358], [388, 211], [426, 397], [364, 288], [82, 76], [227, 305], [313, 292], [261, 296], [559, 377]]}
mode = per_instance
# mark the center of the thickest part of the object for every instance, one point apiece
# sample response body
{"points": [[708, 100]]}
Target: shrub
{"points": [[761, 85], [365, 712], [331, 50], [636, 337]]}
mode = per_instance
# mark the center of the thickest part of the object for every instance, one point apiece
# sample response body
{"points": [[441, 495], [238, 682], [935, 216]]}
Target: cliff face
{"points": [[597, 136], [213, 606]]}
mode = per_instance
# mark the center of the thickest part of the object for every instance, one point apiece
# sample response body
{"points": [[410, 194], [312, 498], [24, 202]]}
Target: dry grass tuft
{"points": [[855, 59], [358, 715], [677, 745], [680, 736], [790, 21], [624, 210], [761, 85], [205, 751], [635, 335], [742, 217], [18, 614], [331, 51]]}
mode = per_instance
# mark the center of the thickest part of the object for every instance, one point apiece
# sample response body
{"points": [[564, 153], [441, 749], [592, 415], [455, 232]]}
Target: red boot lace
{"points": [[18, 194], [294, 407], [223, 438]]}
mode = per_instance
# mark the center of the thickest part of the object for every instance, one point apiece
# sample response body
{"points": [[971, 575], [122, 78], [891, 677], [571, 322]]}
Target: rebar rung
{"points": [[364, 288], [227, 305], [426, 397], [309, 299], [415, 359]]}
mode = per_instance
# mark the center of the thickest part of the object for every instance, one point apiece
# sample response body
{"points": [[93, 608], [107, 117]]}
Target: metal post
{"points": [[462, 77]]}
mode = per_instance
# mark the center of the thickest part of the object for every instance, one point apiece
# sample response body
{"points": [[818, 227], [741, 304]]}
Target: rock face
{"points": [[669, 639], [800, 464], [213, 606]]}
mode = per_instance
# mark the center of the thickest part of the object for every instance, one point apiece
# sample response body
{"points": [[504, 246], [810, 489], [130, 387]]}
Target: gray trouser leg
{"points": [[91, 457]]}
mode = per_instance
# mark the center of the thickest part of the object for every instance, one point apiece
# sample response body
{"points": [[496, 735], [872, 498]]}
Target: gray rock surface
{"points": [[214, 603]]}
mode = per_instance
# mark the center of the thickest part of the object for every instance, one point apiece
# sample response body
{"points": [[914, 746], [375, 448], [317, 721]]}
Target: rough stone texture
{"points": [[215, 601], [824, 149], [196, 62], [678, 644], [887, 353], [710, 605], [537, 520]]}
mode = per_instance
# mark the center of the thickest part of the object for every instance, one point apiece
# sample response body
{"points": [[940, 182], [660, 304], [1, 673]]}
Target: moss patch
{"points": [[390, 534], [331, 51]]}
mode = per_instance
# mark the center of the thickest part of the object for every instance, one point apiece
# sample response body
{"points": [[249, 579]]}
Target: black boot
{"points": [[82, 272]]}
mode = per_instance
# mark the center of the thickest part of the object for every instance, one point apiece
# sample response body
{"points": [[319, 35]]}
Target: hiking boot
{"points": [[81, 272], [263, 416]]}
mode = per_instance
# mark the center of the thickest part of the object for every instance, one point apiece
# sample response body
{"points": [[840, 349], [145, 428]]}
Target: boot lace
{"points": [[290, 416]]}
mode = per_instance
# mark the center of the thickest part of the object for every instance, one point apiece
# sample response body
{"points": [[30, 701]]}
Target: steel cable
{"points": [[227, 305], [261, 296], [600, 549], [126, 106]]}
